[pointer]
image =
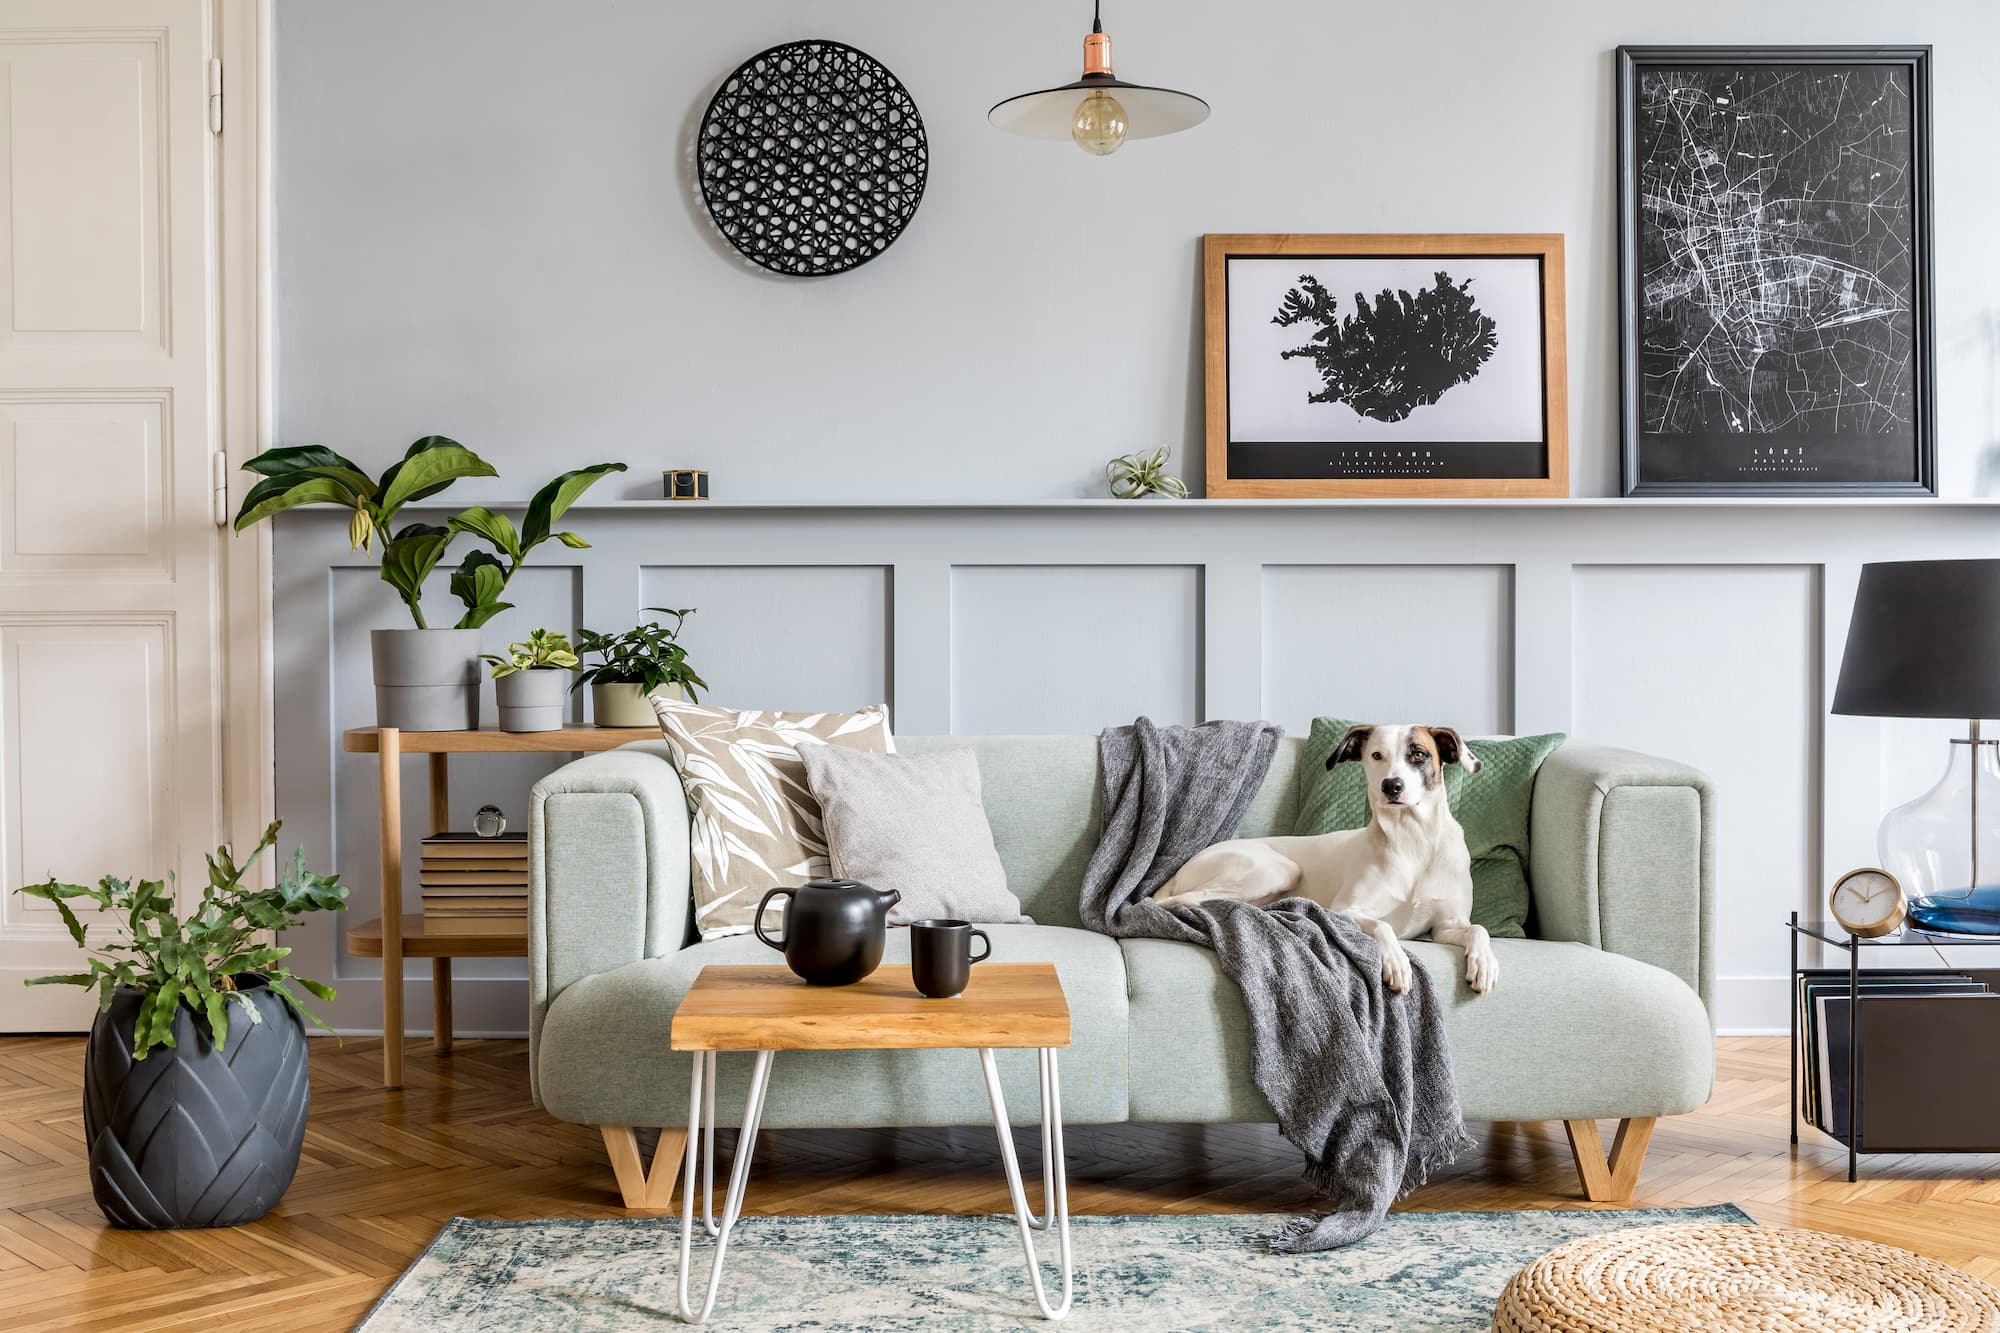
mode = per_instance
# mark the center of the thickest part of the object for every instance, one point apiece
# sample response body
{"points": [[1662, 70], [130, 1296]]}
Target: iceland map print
{"points": [[1393, 356], [1777, 272]]}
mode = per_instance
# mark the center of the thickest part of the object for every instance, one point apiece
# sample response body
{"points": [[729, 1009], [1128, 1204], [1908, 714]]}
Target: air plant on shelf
{"points": [[1134, 476]]}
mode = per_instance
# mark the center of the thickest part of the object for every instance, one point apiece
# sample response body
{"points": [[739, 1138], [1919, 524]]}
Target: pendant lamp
{"points": [[1100, 111]]}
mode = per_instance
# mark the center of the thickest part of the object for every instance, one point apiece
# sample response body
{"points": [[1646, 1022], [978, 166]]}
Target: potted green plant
{"points": [[213, 1139], [530, 680], [481, 578], [643, 659], [425, 679]]}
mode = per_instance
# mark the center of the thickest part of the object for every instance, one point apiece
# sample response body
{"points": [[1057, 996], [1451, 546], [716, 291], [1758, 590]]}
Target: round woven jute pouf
{"points": [[1710, 1278]]}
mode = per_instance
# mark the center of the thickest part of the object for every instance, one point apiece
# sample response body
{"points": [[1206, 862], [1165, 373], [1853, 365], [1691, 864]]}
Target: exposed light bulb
{"points": [[1100, 124]]}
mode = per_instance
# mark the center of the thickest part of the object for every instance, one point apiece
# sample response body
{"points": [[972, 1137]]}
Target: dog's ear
{"points": [[1350, 745], [1452, 749]]}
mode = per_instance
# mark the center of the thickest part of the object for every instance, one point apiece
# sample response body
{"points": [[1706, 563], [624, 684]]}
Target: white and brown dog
{"points": [[1405, 874]]}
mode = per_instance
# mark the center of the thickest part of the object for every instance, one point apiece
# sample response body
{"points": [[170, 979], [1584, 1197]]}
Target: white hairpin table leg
{"points": [[1048, 1127], [708, 1143], [701, 1090], [1055, 1179]]}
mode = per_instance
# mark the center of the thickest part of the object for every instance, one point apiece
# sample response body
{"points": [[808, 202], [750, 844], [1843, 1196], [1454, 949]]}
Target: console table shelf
{"points": [[365, 941], [394, 936]]}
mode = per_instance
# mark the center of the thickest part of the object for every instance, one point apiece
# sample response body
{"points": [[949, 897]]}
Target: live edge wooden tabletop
{"points": [[769, 1009]]}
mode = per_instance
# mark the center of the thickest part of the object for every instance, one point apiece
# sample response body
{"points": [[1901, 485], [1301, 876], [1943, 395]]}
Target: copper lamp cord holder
{"points": [[1097, 54]]}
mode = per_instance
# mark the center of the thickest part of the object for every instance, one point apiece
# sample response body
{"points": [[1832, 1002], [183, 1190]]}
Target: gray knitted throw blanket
{"points": [[1360, 1077]]}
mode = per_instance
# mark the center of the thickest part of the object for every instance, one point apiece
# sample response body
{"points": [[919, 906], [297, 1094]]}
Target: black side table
{"points": [[1936, 1081]]}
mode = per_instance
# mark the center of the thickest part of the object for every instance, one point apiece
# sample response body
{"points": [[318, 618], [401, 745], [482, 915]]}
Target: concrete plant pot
{"points": [[533, 700], [195, 1136], [426, 679], [624, 704]]}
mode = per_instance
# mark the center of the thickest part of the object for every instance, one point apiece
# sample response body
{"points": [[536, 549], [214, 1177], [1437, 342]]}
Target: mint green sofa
{"points": [[1604, 1014]]}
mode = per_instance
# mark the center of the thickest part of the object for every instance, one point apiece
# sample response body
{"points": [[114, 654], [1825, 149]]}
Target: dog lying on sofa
{"points": [[1404, 874]]}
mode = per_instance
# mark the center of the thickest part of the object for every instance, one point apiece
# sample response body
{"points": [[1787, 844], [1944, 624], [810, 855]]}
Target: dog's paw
{"points": [[1482, 971], [1396, 970]]}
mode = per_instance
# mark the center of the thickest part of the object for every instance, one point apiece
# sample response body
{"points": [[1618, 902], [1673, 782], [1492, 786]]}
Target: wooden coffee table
{"points": [[1007, 1006]]}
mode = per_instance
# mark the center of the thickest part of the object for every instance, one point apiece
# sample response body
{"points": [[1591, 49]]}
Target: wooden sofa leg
{"points": [[1609, 1180], [642, 1189]]}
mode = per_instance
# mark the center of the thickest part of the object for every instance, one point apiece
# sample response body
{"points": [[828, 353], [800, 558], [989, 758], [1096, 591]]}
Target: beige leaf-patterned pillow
{"points": [[754, 823]]}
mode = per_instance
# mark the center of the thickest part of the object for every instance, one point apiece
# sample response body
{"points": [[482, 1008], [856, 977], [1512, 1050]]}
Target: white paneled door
{"points": [[110, 731]]}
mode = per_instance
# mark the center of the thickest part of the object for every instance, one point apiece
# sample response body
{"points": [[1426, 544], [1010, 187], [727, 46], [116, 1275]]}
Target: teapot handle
{"points": [[757, 923]]}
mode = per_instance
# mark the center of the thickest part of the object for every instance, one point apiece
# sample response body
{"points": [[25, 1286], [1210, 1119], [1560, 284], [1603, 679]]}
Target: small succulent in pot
{"points": [[214, 1140], [635, 663], [542, 649], [529, 681]]}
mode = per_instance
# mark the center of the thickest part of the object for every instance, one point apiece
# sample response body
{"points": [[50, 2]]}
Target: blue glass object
{"points": [[1949, 839], [1976, 913]]}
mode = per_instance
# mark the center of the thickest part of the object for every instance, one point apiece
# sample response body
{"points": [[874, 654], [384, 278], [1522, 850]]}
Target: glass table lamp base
{"points": [[1962, 913], [1948, 838]]}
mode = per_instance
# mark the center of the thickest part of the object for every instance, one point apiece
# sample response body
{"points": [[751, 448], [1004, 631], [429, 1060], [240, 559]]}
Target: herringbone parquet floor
{"points": [[382, 1171]]}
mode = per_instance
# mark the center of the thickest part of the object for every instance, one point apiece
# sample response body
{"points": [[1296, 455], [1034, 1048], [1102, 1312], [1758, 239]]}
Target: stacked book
{"points": [[473, 885]]}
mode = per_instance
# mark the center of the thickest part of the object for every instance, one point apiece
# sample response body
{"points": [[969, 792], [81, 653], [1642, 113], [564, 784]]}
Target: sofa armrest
{"points": [[1622, 858], [608, 879]]}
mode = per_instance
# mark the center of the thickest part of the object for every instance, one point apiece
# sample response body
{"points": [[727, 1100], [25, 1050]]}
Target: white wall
{"points": [[486, 225]]}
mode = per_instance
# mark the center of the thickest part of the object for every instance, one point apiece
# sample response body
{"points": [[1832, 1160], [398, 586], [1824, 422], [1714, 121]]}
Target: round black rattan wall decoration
{"points": [[812, 158]]}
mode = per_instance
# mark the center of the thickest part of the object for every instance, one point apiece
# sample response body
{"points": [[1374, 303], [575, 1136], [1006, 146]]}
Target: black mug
{"points": [[941, 956]]}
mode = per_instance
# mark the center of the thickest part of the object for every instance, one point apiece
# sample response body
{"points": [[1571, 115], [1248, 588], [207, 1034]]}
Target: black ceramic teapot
{"points": [[834, 929]]}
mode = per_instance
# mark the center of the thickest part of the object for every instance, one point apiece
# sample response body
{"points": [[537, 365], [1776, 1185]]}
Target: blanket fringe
{"points": [[1324, 1178], [1289, 1240]]}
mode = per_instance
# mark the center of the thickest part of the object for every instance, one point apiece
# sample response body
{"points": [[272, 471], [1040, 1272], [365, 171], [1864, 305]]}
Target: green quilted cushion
{"points": [[1491, 806]]}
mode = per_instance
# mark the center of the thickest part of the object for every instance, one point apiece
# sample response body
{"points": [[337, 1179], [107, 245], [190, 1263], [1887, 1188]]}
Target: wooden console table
{"points": [[392, 937]]}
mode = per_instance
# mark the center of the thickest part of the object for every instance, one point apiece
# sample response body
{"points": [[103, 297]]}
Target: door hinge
{"points": [[215, 97], [218, 475]]}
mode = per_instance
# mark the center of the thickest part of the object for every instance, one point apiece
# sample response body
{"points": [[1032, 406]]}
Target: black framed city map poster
{"points": [[1775, 271], [1425, 365]]}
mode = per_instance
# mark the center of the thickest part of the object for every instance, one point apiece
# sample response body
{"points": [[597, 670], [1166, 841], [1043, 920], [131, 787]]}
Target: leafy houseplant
{"points": [[482, 579], [528, 681], [425, 679], [543, 648], [643, 659], [214, 1139], [313, 474]]}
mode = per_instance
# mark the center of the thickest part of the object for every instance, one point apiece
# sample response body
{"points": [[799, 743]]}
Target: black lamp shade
{"points": [[1924, 641]]}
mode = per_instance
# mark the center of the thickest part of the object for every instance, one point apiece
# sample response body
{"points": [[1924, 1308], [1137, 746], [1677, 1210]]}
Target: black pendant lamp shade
{"points": [[1924, 641], [1123, 110]]}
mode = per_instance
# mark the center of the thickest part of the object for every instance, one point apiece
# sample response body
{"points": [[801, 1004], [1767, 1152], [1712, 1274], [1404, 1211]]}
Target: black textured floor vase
{"points": [[193, 1136]]}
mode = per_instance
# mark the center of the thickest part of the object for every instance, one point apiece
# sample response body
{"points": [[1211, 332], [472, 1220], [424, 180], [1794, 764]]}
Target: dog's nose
{"points": [[1392, 787]]}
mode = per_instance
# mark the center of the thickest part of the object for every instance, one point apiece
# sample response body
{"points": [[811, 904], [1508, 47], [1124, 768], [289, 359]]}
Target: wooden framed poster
{"points": [[1385, 366], [1774, 265]]}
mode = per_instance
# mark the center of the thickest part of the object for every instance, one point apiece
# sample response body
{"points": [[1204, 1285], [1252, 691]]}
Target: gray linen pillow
{"points": [[914, 823]]}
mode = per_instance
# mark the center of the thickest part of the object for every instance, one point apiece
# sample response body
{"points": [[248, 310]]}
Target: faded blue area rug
{"points": [[1421, 1273]]}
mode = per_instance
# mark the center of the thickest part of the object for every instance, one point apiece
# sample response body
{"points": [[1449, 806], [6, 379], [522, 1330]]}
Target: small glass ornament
{"points": [[489, 822]]}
